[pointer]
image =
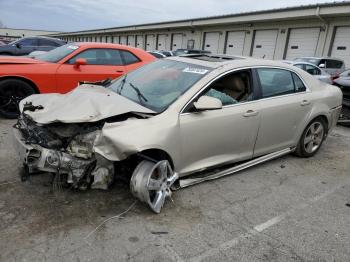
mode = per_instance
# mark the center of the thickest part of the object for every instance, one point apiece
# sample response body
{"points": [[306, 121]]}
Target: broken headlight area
{"points": [[64, 149]]}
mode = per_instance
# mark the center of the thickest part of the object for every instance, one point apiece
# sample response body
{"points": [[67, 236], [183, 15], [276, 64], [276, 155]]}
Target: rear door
{"points": [[284, 107], [102, 63]]}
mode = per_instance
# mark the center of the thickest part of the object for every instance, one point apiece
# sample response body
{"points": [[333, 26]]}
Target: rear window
{"points": [[333, 63], [129, 58]]}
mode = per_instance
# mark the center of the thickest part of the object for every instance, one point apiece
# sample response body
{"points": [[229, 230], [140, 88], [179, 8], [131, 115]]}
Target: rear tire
{"points": [[12, 91], [312, 138]]}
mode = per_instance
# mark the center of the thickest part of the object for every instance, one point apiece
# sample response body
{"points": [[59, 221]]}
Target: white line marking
{"points": [[260, 228]]}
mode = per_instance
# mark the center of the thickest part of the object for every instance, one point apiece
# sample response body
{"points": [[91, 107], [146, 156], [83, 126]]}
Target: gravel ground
{"points": [[289, 209]]}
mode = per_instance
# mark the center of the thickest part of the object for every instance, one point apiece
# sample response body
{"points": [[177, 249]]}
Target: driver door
{"points": [[215, 137], [101, 63]]}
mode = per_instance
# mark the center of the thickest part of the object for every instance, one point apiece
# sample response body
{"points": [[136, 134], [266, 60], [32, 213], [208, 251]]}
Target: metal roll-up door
{"points": [[265, 44], [150, 42], [162, 42], [123, 40], [116, 39], [139, 41], [302, 42], [177, 41], [341, 45], [211, 42], [235, 43], [131, 40]]}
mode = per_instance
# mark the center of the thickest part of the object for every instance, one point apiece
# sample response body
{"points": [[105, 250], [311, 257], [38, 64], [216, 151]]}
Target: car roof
{"points": [[105, 45], [217, 61], [43, 37]]}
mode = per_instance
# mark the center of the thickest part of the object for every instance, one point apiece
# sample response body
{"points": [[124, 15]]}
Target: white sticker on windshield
{"points": [[194, 70], [74, 47]]}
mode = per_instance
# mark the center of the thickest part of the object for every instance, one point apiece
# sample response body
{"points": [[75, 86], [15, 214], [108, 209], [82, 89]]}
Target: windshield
{"points": [[158, 84], [314, 61], [57, 54]]}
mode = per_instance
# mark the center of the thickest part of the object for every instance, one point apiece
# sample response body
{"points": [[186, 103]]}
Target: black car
{"points": [[179, 52], [26, 45]]}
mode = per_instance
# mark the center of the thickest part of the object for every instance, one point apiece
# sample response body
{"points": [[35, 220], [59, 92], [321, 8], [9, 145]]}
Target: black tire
{"points": [[12, 91], [312, 138]]}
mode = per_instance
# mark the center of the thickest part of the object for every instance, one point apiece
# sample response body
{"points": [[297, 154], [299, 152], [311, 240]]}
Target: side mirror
{"points": [[207, 103], [79, 62], [322, 66], [18, 45]]}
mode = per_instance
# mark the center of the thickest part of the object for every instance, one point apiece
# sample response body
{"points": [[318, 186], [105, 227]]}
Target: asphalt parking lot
{"points": [[289, 209]]}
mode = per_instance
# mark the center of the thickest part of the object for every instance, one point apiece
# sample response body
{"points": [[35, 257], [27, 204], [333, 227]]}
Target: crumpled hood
{"points": [[18, 60], [86, 103]]}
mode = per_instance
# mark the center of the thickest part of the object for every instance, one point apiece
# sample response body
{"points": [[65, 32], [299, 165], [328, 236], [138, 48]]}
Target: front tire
{"points": [[312, 138], [12, 91]]}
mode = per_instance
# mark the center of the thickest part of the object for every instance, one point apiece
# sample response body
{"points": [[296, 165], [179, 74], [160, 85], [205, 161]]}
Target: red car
{"points": [[60, 70]]}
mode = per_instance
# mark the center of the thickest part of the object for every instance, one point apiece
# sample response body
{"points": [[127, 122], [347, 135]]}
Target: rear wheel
{"points": [[12, 91], [312, 138]]}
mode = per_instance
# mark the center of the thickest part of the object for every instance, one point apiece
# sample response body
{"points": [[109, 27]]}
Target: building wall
{"points": [[197, 33], [10, 33]]}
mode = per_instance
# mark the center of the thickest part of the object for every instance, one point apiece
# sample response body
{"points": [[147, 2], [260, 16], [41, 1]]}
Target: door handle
{"points": [[305, 103], [250, 113], [120, 71]]}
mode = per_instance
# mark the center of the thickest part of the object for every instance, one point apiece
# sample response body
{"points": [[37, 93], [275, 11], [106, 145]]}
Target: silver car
{"points": [[317, 72], [176, 122], [333, 66]]}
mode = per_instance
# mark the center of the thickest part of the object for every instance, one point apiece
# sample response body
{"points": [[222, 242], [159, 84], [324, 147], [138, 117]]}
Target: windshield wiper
{"points": [[121, 86], [139, 94]]}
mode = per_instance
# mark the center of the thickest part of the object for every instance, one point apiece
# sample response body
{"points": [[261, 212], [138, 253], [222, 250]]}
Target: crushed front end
{"points": [[63, 149]]}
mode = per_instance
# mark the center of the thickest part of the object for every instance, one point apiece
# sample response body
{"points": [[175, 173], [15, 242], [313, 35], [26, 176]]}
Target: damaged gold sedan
{"points": [[176, 122]]}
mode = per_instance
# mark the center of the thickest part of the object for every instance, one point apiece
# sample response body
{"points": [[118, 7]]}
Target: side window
{"points": [[312, 70], [299, 85], [232, 88], [99, 56], [29, 42], [46, 42], [275, 82], [334, 63], [129, 58]]}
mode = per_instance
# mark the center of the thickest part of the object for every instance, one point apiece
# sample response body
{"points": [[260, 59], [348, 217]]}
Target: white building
{"points": [[312, 30], [13, 34]]}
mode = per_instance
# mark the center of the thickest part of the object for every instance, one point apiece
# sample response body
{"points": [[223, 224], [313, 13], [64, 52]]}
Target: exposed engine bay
{"points": [[66, 149]]}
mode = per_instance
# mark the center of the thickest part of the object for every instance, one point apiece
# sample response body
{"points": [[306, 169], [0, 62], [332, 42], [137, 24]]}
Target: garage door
{"points": [[211, 42], [123, 40], [341, 45], [139, 41], [116, 39], [265, 44], [131, 40], [177, 41], [150, 42], [302, 42], [235, 43], [162, 42]]}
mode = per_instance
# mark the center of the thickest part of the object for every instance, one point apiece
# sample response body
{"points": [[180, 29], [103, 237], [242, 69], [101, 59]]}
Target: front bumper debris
{"points": [[36, 158]]}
